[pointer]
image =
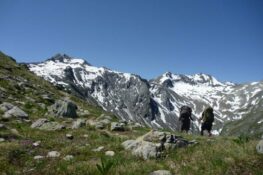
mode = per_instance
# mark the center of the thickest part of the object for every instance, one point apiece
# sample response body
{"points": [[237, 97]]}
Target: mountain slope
{"points": [[156, 102]]}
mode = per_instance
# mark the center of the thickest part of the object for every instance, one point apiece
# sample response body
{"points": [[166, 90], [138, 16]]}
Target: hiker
{"points": [[207, 120], [185, 117]]}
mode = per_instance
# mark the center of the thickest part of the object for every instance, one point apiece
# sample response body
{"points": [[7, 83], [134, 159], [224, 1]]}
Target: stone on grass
{"points": [[38, 157], [79, 123], [53, 154], [2, 139], [117, 126], [63, 108], [69, 136], [68, 157], [98, 149], [110, 153], [36, 144], [260, 147], [161, 172]]}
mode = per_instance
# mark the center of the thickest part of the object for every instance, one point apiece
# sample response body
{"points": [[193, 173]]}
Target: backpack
{"points": [[185, 112], [208, 115]]}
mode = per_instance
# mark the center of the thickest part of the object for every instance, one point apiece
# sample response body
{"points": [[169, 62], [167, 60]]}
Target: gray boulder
{"points": [[6, 106], [16, 112], [154, 143], [63, 108], [117, 126], [39, 123], [161, 172], [78, 123], [141, 148], [52, 126], [260, 147], [44, 124]]}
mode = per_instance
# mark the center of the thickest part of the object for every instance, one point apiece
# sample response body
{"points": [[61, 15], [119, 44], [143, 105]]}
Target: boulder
{"points": [[78, 123], [63, 108], [6, 106], [98, 149], [38, 157], [110, 153], [259, 147], [141, 148], [161, 172], [52, 126], [39, 123], [68, 157], [117, 126], [53, 154], [69, 136], [13, 111], [154, 143], [45, 124]]}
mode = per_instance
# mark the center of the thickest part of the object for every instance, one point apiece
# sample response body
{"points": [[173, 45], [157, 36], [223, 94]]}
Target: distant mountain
{"points": [[155, 103]]}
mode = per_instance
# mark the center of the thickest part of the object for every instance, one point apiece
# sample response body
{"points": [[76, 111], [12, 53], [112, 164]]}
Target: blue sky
{"points": [[223, 38]]}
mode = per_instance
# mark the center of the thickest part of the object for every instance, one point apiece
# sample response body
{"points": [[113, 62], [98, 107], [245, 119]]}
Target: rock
{"points": [[53, 154], [36, 144], [14, 132], [259, 147], [39, 123], [78, 123], [2, 126], [68, 157], [63, 108], [105, 121], [153, 144], [2, 140], [85, 135], [44, 124], [110, 153], [99, 125], [98, 149], [42, 105], [38, 157], [141, 148], [155, 136], [15, 112], [48, 98], [69, 136], [6, 106], [117, 127], [52, 126], [161, 172]]}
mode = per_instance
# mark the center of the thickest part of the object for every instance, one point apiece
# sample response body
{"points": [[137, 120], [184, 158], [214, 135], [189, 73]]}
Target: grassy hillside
{"points": [[215, 155]]}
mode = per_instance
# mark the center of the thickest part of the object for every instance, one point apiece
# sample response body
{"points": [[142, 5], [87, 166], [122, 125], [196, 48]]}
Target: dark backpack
{"points": [[208, 115], [185, 112]]}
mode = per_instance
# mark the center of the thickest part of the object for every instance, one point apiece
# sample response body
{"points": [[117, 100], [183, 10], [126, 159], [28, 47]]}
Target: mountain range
{"points": [[156, 102]]}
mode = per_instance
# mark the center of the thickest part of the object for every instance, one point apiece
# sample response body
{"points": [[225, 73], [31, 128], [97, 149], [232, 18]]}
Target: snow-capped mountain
{"points": [[156, 102]]}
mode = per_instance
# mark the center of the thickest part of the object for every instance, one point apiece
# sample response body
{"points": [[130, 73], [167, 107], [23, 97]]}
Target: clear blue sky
{"points": [[223, 38]]}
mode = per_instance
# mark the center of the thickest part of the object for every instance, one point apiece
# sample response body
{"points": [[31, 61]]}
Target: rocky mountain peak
{"points": [[64, 58]]}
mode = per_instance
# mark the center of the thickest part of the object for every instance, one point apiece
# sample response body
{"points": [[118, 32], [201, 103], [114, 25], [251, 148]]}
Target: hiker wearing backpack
{"points": [[185, 117], [207, 120]]}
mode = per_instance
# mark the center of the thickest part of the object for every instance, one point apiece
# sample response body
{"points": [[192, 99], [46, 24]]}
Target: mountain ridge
{"points": [[154, 102]]}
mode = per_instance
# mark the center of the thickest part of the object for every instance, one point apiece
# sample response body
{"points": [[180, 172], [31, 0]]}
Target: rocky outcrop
{"points": [[12, 111], [154, 143], [45, 124], [63, 108]]}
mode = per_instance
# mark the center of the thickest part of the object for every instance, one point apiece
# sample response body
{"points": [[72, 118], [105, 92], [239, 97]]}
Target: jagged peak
{"points": [[64, 58]]}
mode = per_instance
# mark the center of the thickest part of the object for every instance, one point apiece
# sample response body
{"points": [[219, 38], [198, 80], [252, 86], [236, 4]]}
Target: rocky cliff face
{"points": [[155, 103]]}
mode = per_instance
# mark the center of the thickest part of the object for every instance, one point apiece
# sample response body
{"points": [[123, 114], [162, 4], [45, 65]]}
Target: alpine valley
{"points": [[155, 103]]}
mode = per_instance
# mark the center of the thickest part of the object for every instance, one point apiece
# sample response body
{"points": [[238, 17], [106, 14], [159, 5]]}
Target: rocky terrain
{"points": [[45, 130], [156, 102]]}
